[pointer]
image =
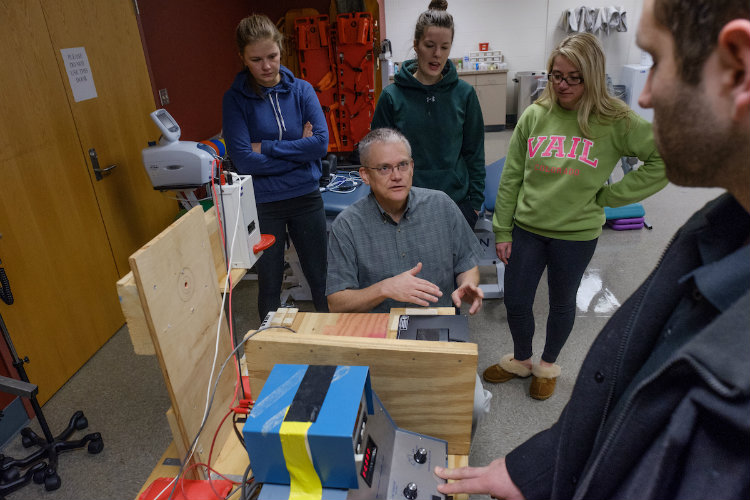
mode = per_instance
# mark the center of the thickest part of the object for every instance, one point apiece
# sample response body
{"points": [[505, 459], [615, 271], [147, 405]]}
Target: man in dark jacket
{"points": [[661, 407]]}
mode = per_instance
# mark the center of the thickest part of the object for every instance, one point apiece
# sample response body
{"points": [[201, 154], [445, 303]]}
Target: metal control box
{"points": [[329, 402], [377, 461]]}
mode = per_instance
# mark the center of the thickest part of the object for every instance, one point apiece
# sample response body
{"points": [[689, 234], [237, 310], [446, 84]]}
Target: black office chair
{"points": [[41, 465]]}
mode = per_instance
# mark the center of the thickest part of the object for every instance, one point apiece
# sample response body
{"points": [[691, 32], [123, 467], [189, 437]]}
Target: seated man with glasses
{"points": [[400, 246]]}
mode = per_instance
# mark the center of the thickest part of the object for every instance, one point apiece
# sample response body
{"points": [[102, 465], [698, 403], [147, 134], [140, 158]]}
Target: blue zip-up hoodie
{"points": [[288, 165]]}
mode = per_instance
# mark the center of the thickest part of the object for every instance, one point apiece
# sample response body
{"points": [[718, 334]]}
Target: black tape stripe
{"points": [[310, 394]]}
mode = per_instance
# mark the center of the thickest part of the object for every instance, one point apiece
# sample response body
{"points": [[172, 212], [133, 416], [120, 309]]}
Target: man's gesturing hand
{"points": [[406, 287]]}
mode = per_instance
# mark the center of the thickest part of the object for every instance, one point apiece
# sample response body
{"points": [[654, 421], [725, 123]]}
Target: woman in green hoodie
{"points": [[439, 114], [550, 203]]}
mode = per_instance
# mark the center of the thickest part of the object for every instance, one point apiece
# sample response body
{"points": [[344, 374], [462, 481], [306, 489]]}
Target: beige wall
{"points": [[525, 30]]}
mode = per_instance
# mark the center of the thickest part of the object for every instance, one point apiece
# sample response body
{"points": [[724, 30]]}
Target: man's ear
{"points": [[365, 175], [734, 52]]}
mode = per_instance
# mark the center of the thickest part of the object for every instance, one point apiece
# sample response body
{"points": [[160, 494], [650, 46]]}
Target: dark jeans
{"points": [[305, 220], [565, 262], [469, 214]]}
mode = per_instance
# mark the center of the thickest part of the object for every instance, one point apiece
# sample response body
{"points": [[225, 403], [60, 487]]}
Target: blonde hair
{"points": [[585, 52], [252, 29]]}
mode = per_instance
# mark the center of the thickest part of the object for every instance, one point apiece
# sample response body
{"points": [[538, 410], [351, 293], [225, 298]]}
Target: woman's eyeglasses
{"points": [[570, 79], [386, 170]]}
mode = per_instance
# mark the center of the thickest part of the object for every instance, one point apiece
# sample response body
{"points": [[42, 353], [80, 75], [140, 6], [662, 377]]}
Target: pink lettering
{"points": [[534, 149], [572, 152], [557, 143], [585, 155]]}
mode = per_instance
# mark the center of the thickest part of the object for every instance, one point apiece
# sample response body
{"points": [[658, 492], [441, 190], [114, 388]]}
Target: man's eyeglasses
{"points": [[386, 170], [570, 80]]}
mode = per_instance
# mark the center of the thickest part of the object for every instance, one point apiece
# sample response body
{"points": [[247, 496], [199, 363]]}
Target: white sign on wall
{"points": [[79, 73]]}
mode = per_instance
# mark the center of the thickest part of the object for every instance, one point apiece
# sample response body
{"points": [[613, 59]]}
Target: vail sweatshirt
{"points": [[288, 165], [553, 182], [443, 123]]}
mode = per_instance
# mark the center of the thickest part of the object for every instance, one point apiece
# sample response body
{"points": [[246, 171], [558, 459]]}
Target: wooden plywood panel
{"points": [[177, 285], [427, 387], [130, 301], [349, 325]]}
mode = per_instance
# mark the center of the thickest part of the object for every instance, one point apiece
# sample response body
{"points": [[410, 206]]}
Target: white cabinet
{"points": [[491, 87]]}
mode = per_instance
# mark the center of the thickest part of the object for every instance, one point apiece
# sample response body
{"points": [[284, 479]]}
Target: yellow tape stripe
{"points": [[305, 483]]}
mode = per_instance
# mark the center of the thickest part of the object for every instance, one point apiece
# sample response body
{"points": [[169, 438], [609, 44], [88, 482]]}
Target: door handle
{"points": [[99, 173]]}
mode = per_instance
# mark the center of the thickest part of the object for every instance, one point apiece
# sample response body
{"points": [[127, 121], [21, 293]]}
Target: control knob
{"points": [[410, 492], [420, 456]]}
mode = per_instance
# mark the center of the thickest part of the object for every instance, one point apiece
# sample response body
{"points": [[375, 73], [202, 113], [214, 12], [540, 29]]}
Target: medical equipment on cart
{"points": [[182, 166], [174, 164]]}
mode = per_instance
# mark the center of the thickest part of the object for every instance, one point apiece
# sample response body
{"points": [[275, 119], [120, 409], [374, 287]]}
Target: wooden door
{"points": [[53, 244], [116, 123], [64, 236]]}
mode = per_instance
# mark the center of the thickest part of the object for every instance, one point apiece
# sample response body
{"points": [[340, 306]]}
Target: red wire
{"points": [[210, 483], [231, 337], [211, 469], [231, 286], [211, 451]]}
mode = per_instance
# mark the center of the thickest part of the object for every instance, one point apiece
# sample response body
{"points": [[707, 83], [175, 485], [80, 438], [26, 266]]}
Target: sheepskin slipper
{"points": [[543, 382], [507, 369]]}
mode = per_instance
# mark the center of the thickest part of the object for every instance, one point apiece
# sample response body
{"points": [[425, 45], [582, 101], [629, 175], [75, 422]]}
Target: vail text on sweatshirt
{"points": [[553, 182]]}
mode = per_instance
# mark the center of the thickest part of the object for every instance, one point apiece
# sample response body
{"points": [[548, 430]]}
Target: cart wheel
{"points": [[10, 474], [81, 423], [96, 446], [51, 482]]}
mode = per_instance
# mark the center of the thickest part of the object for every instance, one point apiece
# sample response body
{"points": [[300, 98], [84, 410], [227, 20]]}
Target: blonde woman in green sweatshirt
{"points": [[550, 204]]}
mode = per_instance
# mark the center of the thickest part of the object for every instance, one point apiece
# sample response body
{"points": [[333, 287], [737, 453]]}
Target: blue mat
{"points": [[626, 212], [335, 203]]}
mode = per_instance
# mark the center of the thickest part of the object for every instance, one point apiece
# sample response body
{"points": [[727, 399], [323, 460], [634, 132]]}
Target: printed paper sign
{"points": [[79, 73]]}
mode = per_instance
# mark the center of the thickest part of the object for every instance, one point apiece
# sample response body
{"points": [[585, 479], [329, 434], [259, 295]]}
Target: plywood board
{"points": [[427, 387], [176, 282], [346, 325], [379, 325], [131, 303], [217, 251]]}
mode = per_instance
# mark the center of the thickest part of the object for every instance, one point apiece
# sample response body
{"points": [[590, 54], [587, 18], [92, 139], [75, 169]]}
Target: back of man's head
{"points": [[695, 27]]}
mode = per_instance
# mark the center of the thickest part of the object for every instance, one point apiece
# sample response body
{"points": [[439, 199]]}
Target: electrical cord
{"points": [[210, 404], [221, 217], [344, 183], [235, 421], [249, 486], [221, 312]]}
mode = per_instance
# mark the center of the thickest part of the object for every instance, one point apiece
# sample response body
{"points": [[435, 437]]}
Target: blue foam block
{"points": [[626, 212]]}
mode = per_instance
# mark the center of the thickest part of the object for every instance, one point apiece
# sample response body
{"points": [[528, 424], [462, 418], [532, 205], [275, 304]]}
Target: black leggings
{"points": [[565, 262], [305, 219]]}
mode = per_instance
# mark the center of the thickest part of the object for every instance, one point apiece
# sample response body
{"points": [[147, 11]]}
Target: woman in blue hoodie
{"points": [[275, 131], [439, 114]]}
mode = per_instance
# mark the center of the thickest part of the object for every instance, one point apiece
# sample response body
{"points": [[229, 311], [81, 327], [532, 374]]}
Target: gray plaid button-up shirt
{"points": [[366, 246]]}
